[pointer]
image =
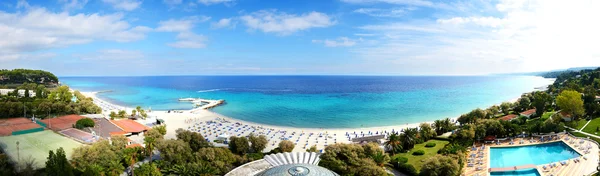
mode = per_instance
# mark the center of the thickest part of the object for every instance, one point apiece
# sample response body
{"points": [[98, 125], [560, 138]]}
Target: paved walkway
{"points": [[588, 122], [582, 132]]}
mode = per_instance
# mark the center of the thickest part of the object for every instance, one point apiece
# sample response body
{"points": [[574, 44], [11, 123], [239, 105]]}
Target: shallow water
{"points": [[317, 101]]}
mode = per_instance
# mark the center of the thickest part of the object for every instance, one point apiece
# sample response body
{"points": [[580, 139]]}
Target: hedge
{"points": [[418, 152], [429, 145]]}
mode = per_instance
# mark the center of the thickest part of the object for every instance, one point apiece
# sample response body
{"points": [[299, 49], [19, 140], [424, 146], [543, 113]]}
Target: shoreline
{"points": [[202, 111], [213, 126]]}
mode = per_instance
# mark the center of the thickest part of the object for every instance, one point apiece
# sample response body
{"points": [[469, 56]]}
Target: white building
{"points": [[21, 92]]}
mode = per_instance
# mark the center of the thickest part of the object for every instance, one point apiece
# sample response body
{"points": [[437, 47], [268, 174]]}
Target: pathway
{"points": [[588, 122], [582, 132]]}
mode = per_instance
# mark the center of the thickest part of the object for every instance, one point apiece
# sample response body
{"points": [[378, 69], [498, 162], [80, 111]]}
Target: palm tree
{"points": [[438, 126], [115, 168], [380, 158], [149, 141], [393, 143], [409, 138]]}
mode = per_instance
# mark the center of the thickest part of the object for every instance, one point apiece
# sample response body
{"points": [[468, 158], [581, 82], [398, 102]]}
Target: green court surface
{"points": [[37, 145]]}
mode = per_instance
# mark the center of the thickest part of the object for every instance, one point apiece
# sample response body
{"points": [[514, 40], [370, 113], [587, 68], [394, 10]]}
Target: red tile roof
{"points": [[564, 114], [528, 112], [508, 117], [130, 126], [134, 145]]}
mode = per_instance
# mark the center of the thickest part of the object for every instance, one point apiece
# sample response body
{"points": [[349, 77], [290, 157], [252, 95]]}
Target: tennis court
{"points": [[61, 123], [79, 135], [37, 145], [15, 126]]}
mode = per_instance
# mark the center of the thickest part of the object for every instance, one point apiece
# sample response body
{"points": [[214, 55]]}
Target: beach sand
{"points": [[212, 125]]}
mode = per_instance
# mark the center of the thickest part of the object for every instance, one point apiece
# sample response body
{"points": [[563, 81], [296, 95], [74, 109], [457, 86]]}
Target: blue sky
{"points": [[371, 37]]}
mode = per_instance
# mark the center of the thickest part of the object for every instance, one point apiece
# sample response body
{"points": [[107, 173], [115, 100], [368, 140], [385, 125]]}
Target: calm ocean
{"points": [[317, 101]]}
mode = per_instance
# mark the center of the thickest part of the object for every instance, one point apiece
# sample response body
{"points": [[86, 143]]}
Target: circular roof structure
{"points": [[298, 170]]}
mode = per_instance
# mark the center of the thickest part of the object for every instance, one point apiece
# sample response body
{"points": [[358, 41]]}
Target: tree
{"points": [[162, 129], [26, 93], [100, 157], [506, 107], [84, 123], [524, 103], [408, 138], [492, 111], [570, 102], [239, 145], [113, 115], [426, 132], [174, 152], [122, 114], [312, 149], [350, 159], [148, 169], [57, 164], [221, 159], [393, 143], [119, 141], [151, 137], [286, 146], [440, 165], [133, 112], [258, 143], [540, 101], [195, 140]]}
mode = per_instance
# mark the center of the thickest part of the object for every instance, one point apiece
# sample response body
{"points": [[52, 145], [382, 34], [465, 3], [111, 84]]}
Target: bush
{"points": [[407, 169], [429, 145], [418, 152], [83, 123], [254, 156], [400, 160], [218, 141]]}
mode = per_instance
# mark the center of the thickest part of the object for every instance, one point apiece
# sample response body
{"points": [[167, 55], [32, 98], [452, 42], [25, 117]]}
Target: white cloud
{"points": [[179, 25], [211, 2], [189, 40], [223, 23], [285, 24], [185, 37], [73, 4], [365, 35], [22, 4], [339, 42], [37, 29], [375, 12], [531, 36], [127, 5]]}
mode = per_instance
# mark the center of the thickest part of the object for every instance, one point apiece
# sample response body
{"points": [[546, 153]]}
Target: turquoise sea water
{"points": [[317, 101], [533, 154]]}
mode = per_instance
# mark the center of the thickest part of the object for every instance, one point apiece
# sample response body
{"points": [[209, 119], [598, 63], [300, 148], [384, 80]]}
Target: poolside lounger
{"points": [[470, 165]]}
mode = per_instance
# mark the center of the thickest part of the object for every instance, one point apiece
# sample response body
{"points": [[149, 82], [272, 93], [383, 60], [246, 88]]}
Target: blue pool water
{"points": [[317, 101], [533, 154], [525, 172]]}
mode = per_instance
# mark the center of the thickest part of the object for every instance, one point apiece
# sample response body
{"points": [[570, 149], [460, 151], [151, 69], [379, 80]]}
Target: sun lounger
{"points": [[470, 165], [563, 163]]}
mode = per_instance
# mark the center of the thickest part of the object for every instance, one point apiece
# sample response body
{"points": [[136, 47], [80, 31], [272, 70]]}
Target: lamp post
{"points": [[18, 155]]}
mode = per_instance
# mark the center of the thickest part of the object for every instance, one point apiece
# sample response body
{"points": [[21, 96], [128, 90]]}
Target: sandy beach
{"points": [[214, 126]]}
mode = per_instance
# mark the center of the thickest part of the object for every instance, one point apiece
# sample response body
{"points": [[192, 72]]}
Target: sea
{"points": [[317, 101]]}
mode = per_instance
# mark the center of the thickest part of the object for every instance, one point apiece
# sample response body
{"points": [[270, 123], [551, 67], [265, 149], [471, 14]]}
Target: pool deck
{"points": [[586, 165]]}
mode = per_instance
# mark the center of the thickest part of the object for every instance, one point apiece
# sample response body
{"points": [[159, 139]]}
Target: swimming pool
{"points": [[531, 154], [526, 172]]}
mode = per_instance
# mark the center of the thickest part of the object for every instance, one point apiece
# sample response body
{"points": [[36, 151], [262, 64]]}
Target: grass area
{"points": [[580, 123], [578, 134], [547, 115], [592, 126], [417, 161], [36, 145]]}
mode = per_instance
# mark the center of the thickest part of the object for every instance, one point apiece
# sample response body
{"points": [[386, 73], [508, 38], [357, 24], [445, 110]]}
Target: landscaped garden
{"points": [[593, 127], [417, 160]]}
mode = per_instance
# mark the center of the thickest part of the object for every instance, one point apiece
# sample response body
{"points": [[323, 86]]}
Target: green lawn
{"points": [[417, 161], [591, 128], [578, 134], [547, 115], [36, 146]]}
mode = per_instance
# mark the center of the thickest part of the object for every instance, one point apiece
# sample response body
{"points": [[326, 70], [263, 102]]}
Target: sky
{"points": [[298, 37]]}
